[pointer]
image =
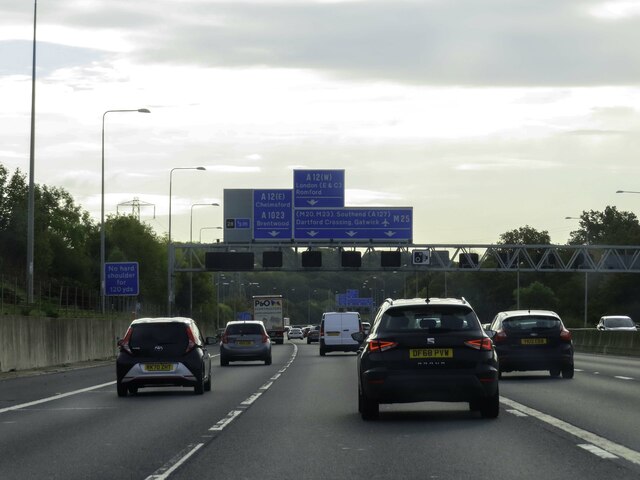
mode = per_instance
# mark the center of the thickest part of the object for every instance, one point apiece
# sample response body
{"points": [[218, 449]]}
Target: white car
{"points": [[616, 323], [295, 333]]}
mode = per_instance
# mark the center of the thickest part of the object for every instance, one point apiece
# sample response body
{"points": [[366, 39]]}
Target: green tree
{"points": [[609, 227], [537, 296]]}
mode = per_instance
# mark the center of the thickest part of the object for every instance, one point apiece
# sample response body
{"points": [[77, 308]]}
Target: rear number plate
{"points": [[244, 342], [158, 367], [431, 353], [333, 334], [533, 341]]}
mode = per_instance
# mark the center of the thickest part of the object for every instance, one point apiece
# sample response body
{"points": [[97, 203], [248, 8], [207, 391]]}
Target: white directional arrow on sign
{"points": [[273, 233], [312, 202], [389, 233], [351, 233], [312, 233]]}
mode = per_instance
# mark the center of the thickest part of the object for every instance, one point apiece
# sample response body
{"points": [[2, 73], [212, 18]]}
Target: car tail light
{"points": [[225, 337], [192, 341], [480, 344], [124, 343], [565, 335], [265, 337], [500, 336], [381, 345]]}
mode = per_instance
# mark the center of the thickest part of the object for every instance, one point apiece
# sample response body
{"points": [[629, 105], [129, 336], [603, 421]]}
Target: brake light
{"points": [[500, 336], [480, 344], [565, 335], [265, 337], [225, 337], [192, 341], [381, 345], [124, 343]]}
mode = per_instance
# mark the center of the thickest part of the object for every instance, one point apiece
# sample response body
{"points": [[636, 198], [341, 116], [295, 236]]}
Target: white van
{"points": [[336, 329]]}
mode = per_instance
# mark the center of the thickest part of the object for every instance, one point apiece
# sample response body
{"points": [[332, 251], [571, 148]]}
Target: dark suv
{"points": [[163, 352], [532, 340], [427, 350]]}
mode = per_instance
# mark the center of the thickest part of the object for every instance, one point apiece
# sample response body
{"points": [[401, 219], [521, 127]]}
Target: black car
{"points": [[163, 352], [314, 334], [427, 350], [532, 340]]}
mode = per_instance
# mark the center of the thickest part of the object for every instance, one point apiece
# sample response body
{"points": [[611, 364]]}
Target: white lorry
{"points": [[268, 310]]}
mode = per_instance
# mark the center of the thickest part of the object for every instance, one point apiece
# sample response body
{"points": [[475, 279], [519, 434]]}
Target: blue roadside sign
{"points": [[318, 188], [388, 224], [272, 215], [121, 279]]}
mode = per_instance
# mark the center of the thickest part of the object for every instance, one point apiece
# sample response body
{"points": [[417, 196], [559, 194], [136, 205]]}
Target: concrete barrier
{"points": [[36, 342], [590, 340]]}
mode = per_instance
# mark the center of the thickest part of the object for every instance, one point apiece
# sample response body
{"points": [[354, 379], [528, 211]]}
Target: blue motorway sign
{"points": [[318, 188], [389, 224], [121, 279], [272, 214]]}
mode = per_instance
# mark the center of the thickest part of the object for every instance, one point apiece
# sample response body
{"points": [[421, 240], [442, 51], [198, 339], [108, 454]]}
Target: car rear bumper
{"points": [[387, 386], [339, 346], [136, 375], [232, 353], [519, 360]]}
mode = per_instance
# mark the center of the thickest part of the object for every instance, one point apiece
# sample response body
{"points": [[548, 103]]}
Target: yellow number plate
{"points": [[333, 334], [244, 342], [533, 341], [158, 367], [431, 353]]}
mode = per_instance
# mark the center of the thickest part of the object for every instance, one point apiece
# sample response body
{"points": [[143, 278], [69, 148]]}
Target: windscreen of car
{"points": [[618, 322], [244, 329], [172, 337], [531, 323], [433, 319]]}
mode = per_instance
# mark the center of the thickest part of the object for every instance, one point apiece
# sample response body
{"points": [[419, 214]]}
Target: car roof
{"points": [[248, 322], [148, 320], [607, 317], [402, 302], [526, 313]]}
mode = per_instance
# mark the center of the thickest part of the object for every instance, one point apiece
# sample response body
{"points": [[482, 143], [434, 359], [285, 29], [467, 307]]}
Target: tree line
{"points": [[67, 252]]}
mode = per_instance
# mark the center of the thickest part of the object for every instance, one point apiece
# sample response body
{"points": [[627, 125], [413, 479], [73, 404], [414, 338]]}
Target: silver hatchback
{"points": [[245, 341]]}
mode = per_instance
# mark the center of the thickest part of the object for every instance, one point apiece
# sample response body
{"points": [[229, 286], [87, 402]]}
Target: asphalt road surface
{"points": [[298, 419]]}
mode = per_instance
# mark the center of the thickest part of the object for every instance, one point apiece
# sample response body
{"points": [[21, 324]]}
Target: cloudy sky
{"points": [[484, 116]]}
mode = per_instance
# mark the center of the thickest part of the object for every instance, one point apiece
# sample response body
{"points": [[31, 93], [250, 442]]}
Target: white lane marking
{"points": [[231, 416], [276, 376], [55, 397], [251, 399], [266, 386], [173, 468], [517, 413], [607, 445], [620, 377], [578, 370], [597, 451]]}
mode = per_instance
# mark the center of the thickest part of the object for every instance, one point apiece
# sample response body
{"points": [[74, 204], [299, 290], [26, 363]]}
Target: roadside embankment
{"points": [[590, 340]]}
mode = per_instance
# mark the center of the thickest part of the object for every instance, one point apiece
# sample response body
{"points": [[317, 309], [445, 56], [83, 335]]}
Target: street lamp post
{"points": [[191, 251], [102, 233], [169, 252]]}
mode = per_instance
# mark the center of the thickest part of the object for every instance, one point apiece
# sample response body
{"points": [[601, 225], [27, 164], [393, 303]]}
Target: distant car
{"points": [[366, 327], [245, 341], [314, 334], [532, 340], [427, 350], [163, 352], [616, 323], [295, 333], [305, 330]]}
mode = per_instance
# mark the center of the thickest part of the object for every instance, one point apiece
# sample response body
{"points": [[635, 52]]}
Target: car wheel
{"points": [[267, 361], [567, 372], [133, 390], [224, 361], [308, 341], [474, 405], [554, 372], [322, 352], [198, 388], [122, 389], [207, 384], [490, 407], [369, 409]]}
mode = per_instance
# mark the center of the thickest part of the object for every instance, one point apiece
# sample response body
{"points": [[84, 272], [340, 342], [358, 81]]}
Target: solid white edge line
{"points": [[607, 445], [55, 397], [173, 468], [597, 451], [620, 377]]}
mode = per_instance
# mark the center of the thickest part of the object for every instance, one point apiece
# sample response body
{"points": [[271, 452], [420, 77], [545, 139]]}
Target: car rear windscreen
{"points": [[431, 319], [172, 337], [618, 322], [244, 329], [531, 324]]}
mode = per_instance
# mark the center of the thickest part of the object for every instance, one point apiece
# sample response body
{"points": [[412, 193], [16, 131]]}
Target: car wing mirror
{"points": [[211, 340], [490, 333], [358, 336]]}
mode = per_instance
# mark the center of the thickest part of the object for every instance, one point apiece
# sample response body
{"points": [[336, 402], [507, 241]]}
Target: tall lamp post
{"points": [[170, 257], [586, 276], [102, 234], [191, 251]]}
